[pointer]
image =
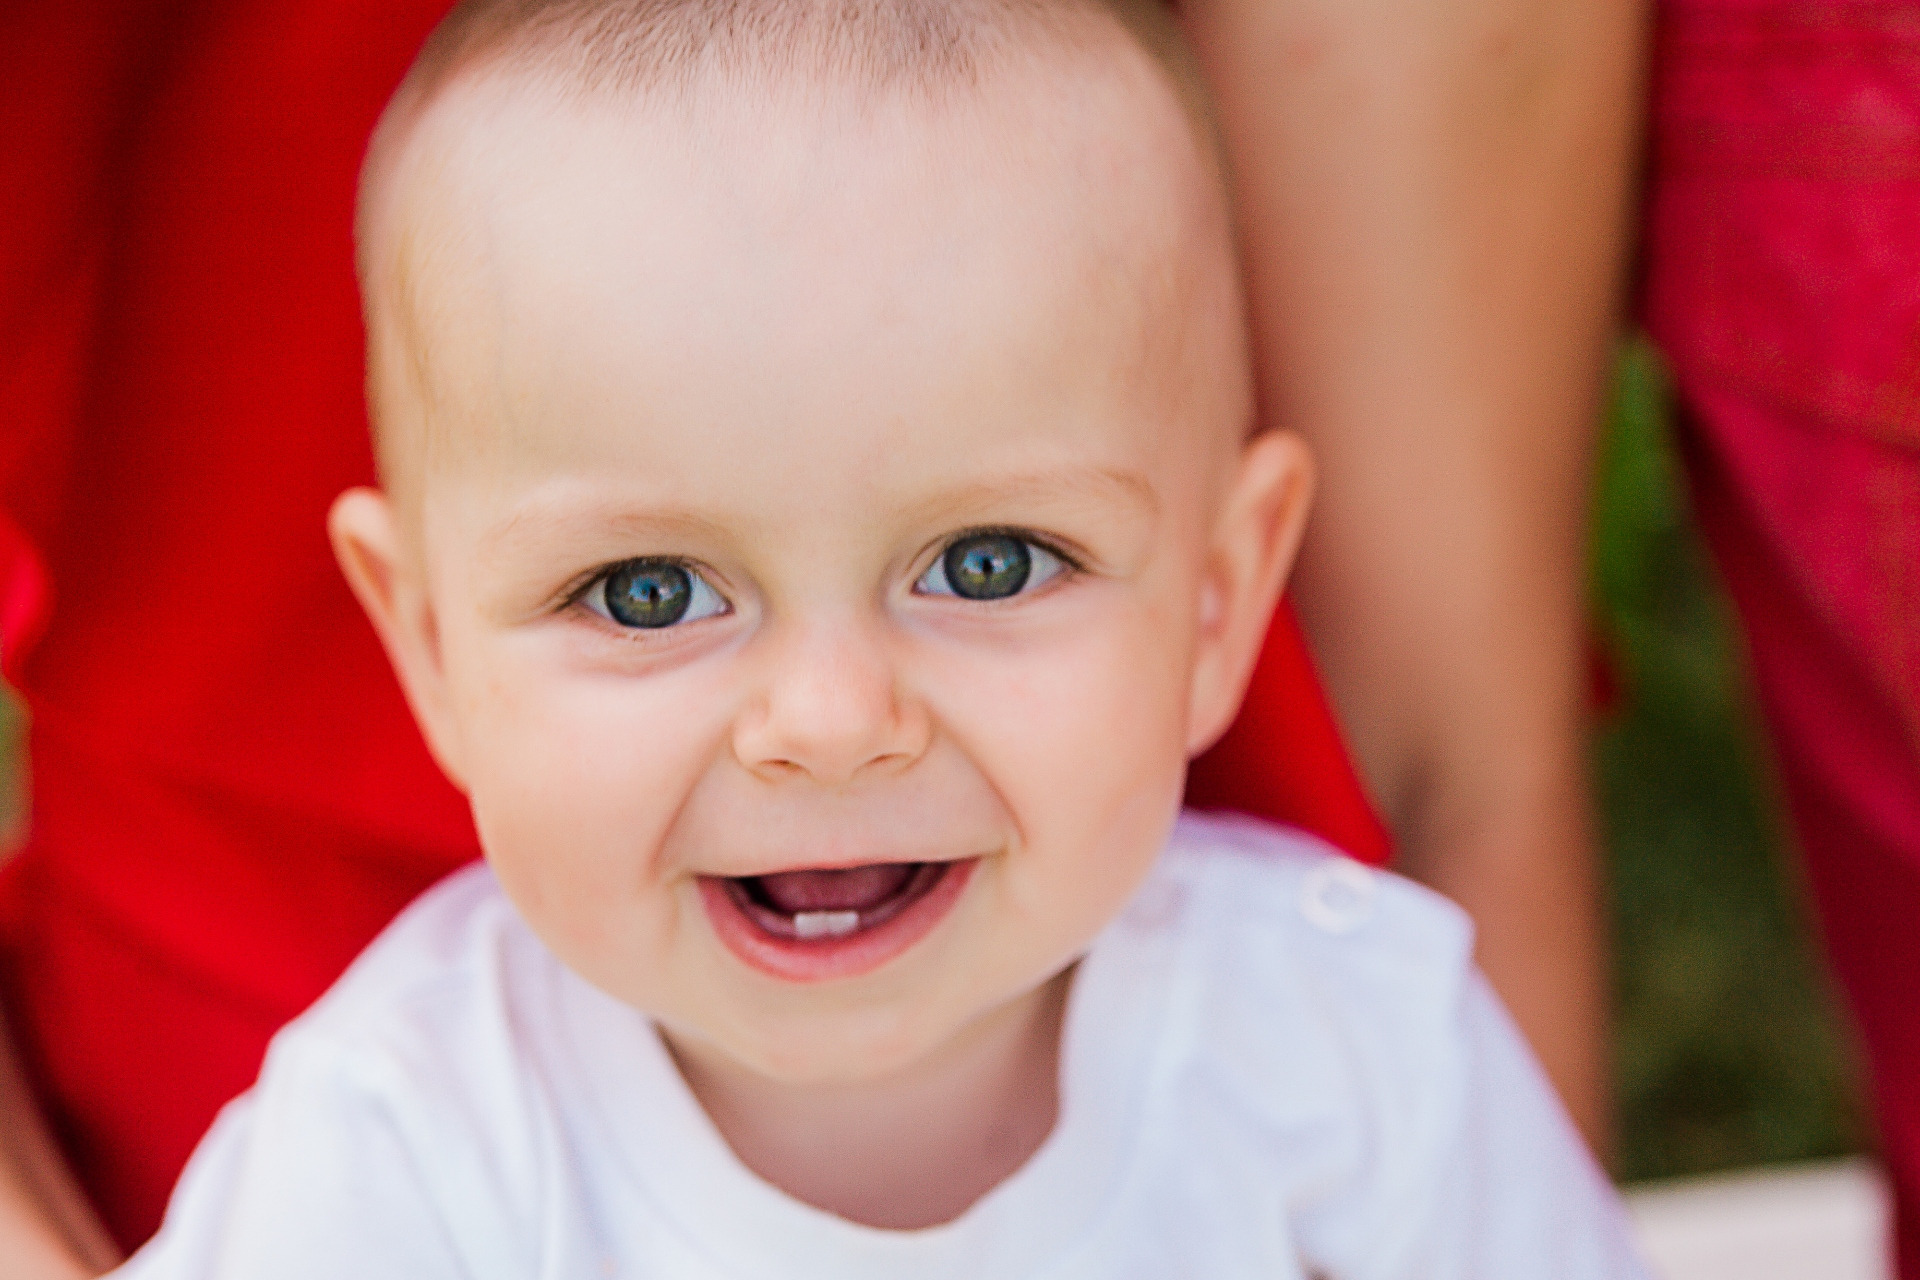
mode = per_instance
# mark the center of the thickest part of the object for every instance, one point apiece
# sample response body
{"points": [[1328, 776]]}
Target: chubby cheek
{"points": [[1082, 737], [575, 780]]}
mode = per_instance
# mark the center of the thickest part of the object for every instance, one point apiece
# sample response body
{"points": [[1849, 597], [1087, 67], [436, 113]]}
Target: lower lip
{"points": [[825, 959]]}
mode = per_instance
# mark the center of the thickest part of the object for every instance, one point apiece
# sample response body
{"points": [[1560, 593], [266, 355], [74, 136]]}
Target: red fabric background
{"points": [[229, 798], [1783, 280]]}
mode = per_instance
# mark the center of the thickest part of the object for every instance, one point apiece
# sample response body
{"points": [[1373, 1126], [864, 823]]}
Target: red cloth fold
{"points": [[1284, 757], [23, 597], [1783, 281]]}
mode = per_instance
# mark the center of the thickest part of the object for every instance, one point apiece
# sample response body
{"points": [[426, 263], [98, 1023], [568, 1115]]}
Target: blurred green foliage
{"points": [[1728, 1050]]}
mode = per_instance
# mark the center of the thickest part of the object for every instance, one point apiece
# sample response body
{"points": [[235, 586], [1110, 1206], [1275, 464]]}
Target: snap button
{"points": [[1337, 895]]}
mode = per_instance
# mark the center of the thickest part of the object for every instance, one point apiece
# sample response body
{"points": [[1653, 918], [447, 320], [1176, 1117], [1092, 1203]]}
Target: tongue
{"points": [[852, 889]]}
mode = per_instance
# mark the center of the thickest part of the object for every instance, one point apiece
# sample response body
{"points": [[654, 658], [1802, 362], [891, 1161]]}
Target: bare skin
{"points": [[840, 1149], [47, 1229], [829, 702], [1434, 208], [1386, 154]]}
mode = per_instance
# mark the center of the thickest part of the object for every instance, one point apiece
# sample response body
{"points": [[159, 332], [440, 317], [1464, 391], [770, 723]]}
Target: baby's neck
{"points": [[910, 1151]]}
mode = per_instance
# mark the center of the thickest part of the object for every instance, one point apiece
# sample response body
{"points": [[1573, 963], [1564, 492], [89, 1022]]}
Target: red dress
{"points": [[229, 798], [1783, 280]]}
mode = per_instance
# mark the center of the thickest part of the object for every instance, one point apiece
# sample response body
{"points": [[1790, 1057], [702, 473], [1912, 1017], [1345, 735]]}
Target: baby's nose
{"points": [[831, 707]]}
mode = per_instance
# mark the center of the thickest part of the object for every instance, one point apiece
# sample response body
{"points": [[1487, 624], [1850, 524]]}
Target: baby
{"points": [[822, 515]]}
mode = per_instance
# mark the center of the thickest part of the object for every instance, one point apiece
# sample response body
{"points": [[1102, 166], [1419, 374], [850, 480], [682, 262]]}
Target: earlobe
{"points": [[1250, 554], [386, 579]]}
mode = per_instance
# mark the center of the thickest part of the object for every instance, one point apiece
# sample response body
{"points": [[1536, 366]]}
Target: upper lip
{"points": [[889, 858]]}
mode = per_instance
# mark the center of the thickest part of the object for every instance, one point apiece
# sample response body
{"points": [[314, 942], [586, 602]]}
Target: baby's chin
{"points": [[827, 1053], [852, 1047]]}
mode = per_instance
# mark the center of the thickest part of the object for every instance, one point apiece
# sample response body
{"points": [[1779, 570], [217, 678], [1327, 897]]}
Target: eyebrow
{"points": [[1097, 483], [536, 520]]}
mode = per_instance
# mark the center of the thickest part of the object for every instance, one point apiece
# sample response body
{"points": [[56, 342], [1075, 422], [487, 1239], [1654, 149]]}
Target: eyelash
{"points": [[1070, 564], [583, 594], [580, 594]]}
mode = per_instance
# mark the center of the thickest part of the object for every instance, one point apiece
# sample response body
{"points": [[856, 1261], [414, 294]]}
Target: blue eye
{"points": [[653, 594], [989, 566]]}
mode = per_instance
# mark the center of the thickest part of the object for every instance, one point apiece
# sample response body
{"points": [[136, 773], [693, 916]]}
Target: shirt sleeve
{"points": [[309, 1177], [1494, 1182], [1537, 1202]]}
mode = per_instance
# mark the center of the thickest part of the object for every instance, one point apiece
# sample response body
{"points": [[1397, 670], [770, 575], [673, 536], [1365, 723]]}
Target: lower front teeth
{"points": [[825, 924]]}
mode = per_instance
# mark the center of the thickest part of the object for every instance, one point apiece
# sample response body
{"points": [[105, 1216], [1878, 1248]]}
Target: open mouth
{"points": [[832, 904], [813, 925]]}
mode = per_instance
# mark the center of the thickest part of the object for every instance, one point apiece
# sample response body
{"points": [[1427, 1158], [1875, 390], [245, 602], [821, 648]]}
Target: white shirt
{"points": [[1276, 1064]]}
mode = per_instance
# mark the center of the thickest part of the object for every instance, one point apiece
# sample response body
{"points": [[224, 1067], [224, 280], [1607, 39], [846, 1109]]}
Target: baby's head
{"points": [[822, 509]]}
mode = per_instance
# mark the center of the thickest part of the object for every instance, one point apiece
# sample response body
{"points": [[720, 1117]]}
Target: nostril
{"points": [[820, 716]]}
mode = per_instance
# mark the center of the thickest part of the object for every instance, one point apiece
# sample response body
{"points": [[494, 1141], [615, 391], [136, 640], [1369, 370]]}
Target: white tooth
{"points": [[825, 924]]}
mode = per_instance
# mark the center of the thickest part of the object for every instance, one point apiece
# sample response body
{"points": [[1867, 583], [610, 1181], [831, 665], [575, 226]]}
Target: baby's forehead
{"points": [[1011, 75], [505, 185]]}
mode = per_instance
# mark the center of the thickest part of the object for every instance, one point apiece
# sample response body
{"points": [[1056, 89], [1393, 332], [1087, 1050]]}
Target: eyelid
{"points": [[580, 584], [582, 592], [1058, 548], [1070, 562]]}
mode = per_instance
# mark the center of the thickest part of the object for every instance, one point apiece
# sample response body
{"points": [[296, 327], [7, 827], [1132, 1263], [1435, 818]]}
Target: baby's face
{"points": [[827, 560]]}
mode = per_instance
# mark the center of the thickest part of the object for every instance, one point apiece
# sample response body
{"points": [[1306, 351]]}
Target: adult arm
{"points": [[47, 1229], [1433, 198]]}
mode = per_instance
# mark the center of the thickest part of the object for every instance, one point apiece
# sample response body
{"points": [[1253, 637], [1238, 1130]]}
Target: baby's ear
{"points": [[1249, 555], [390, 584]]}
